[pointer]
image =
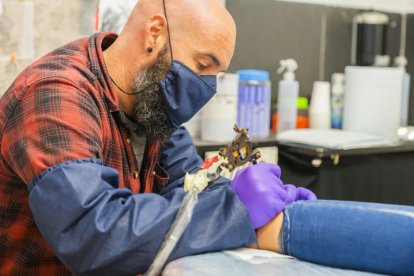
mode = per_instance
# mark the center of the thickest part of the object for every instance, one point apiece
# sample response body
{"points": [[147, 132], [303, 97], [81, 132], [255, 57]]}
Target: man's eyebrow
{"points": [[213, 57]]}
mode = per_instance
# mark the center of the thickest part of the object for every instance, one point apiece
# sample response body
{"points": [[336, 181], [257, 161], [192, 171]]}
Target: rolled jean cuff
{"points": [[351, 235]]}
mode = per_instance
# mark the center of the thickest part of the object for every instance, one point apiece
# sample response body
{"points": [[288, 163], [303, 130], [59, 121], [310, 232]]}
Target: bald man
{"points": [[92, 154]]}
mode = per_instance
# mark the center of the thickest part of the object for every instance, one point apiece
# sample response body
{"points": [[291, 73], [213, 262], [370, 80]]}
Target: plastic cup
{"points": [[320, 108]]}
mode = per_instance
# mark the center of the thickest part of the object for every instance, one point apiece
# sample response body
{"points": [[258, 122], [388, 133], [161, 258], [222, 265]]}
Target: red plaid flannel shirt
{"points": [[62, 107]]}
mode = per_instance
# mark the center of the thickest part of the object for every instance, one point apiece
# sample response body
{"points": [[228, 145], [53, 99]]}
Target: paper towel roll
{"points": [[373, 99]]}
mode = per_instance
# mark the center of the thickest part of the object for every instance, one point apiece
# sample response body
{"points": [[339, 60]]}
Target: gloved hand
{"points": [[262, 192]]}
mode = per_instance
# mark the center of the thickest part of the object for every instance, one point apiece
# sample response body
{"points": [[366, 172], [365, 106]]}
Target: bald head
{"points": [[199, 33], [205, 27], [202, 32]]}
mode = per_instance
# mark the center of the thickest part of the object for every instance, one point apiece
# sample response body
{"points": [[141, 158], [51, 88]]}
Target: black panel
{"points": [[269, 31]]}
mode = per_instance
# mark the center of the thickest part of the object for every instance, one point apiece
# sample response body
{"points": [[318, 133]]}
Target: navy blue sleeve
{"points": [[95, 228], [179, 156]]}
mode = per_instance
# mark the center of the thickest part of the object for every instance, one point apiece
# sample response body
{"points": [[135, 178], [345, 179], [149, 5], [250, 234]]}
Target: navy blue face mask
{"points": [[185, 92]]}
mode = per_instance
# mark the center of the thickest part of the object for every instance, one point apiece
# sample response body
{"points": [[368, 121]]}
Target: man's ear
{"points": [[156, 31]]}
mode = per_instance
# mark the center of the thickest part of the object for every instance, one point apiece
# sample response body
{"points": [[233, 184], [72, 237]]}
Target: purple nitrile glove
{"points": [[262, 192]]}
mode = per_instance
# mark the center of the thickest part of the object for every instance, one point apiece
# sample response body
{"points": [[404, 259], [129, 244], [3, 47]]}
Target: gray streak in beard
{"points": [[150, 112]]}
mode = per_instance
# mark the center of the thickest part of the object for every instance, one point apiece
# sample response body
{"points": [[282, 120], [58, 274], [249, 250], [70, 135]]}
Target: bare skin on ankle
{"points": [[268, 235]]}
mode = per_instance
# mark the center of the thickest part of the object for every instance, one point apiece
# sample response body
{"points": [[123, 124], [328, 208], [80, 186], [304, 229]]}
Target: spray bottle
{"points": [[287, 96]]}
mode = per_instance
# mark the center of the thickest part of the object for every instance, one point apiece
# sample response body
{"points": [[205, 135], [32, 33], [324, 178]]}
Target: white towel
{"points": [[332, 138]]}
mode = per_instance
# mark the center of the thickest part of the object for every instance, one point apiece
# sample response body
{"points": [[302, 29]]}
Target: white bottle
{"points": [[401, 62], [220, 113], [287, 96]]}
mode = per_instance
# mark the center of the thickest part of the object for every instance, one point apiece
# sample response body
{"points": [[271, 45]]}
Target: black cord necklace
{"points": [[135, 93], [122, 90]]}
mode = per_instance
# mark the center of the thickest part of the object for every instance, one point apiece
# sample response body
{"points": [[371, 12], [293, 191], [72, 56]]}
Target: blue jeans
{"points": [[351, 235]]}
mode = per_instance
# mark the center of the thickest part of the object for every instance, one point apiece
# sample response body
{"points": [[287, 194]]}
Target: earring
{"points": [[149, 50]]}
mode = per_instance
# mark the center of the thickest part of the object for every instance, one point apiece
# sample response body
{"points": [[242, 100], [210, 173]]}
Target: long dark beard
{"points": [[150, 112]]}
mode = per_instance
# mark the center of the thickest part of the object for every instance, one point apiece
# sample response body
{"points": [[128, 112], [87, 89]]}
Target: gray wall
{"points": [[55, 23], [269, 31]]}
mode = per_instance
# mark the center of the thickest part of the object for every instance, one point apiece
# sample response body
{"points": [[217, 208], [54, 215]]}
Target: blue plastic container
{"points": [[254, 101]]}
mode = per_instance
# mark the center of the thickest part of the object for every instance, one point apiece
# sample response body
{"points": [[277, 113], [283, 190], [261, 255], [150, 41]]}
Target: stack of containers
{"points": [[254, 102], [320, 106]]}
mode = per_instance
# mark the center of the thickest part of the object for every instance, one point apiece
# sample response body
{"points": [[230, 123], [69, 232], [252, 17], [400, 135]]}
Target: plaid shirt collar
{"points": [[97, 44]]}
